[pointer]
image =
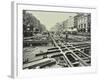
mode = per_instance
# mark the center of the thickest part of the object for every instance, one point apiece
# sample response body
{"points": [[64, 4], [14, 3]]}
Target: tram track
{"points": [[67, 49]]}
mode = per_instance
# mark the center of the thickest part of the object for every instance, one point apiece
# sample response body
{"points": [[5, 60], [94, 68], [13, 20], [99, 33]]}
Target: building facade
{"points": [[71, 22], [83, 22]]}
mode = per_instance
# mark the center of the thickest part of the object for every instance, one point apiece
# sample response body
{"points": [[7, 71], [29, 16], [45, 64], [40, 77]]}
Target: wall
{"points": [[5, 41]]}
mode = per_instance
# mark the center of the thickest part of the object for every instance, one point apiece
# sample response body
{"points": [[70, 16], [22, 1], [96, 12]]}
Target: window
{"points": [[28, 29]]}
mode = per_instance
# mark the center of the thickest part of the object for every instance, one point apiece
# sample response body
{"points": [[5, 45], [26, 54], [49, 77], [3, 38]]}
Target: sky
{"points": [[49, 19]]}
